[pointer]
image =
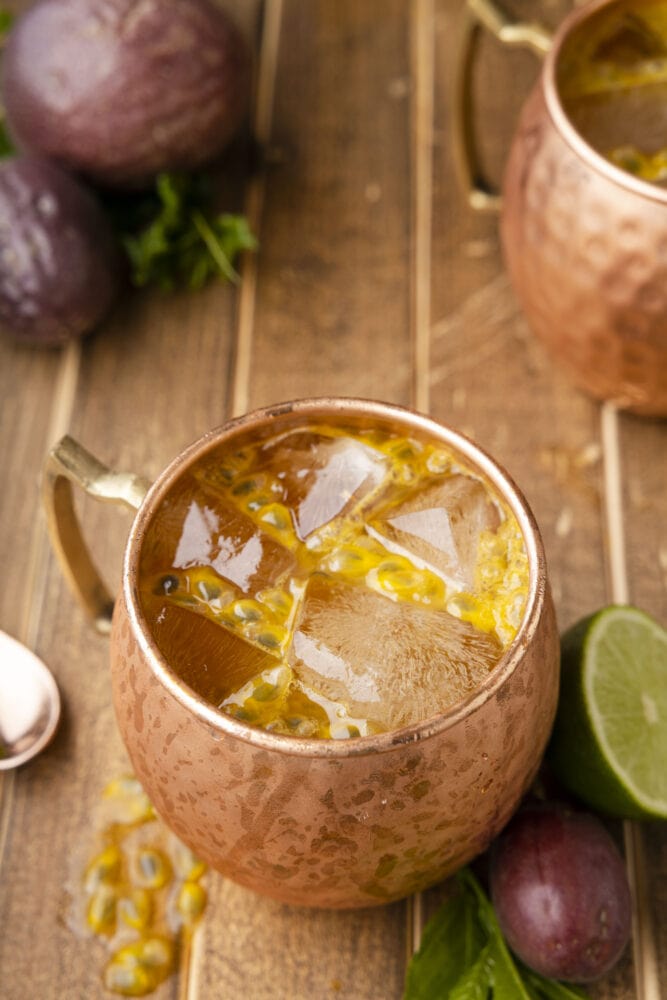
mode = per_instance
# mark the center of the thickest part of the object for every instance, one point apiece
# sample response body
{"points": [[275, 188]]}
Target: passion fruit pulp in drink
{"points": [[331, 582]]}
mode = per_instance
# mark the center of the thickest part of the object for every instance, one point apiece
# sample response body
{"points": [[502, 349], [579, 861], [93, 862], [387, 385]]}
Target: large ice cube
{"points": [[438, 527], [390, 662], [211, 659], [322, 477], [192, 529]]}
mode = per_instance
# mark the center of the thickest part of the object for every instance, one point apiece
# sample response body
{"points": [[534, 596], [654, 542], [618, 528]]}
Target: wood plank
{"points": [[643, 451], [489, 377], [331, 315], [334, 265], [181, 348]]}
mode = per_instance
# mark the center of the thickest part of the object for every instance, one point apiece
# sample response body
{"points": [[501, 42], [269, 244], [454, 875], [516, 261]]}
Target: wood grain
{"points": [[331, 315]]}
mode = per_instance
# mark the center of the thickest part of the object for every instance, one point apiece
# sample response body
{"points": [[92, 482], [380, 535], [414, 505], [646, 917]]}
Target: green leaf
{"points": [[508, 983], [6, 144], [551, 989], [172, 238], [476, 981], [6, 21], [450, 945], [464, 956]]}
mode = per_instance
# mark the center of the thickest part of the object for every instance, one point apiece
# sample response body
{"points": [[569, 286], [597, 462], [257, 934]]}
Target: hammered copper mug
{"points": [[585, 242], [325, 823]]}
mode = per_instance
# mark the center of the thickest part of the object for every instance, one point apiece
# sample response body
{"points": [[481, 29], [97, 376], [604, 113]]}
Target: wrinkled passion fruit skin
{"points": [[122, 89], [561, 894], [60, 267]]}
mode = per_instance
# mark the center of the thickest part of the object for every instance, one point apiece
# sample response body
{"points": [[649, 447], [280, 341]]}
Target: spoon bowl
{"points": [[29, 704]]}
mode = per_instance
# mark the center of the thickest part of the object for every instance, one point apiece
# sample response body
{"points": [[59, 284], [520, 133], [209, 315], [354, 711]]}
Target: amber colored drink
{"points": [[612, 79], [333, 582]]}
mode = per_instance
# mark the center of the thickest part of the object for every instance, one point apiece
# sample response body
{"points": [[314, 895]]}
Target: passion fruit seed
{"points": [[267, 692], [104, 867], [167, 584], [129, 980], [152, 868], [136, 909], [191, 902], [101, 910], [277, 516], [272, 637], [247, 611], [138, 968], [276, 600]]}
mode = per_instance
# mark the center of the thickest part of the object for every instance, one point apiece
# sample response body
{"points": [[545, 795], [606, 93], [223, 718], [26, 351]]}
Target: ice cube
{"points": [[322, 477], [438, 527], [192, 529], [211, 659], [392, 663]]}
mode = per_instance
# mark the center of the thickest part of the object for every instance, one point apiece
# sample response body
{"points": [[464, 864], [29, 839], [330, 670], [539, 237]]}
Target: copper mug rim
{"points": [[561, 120], [225, 724]]}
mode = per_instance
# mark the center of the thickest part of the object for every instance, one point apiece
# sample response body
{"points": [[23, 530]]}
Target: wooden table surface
{"points": [[373, 279]]}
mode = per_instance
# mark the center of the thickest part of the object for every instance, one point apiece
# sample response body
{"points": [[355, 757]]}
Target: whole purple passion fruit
{"points": [[560, 892], [60, 266], [123, 89]]}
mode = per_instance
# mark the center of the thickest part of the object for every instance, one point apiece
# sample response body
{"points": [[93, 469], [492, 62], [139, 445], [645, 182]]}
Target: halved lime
{"points": [[609, 744]]}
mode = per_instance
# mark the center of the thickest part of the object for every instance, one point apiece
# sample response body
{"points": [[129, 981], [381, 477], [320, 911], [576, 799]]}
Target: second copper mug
{"points": [[333, 823], [585, 242]]}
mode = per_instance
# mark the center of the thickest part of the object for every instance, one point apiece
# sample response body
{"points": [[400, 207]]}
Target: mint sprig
{"points": [[172, 237], [463, 956]]}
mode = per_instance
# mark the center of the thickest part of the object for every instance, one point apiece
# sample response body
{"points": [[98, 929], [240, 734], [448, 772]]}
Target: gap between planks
{"points": [[422, 58], [647, 982], [254, 204], [62, 405]]}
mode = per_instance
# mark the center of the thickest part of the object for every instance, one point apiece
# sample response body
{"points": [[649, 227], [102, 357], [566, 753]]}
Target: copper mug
{"points": [[585, 242], [326, 823]]}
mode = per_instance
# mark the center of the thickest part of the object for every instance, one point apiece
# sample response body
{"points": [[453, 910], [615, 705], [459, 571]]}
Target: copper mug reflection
{"points": [[585, 242], [324, 823]]}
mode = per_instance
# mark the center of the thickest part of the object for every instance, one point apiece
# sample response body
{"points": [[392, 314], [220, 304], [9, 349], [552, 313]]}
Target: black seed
{"points": [[167, 584]]}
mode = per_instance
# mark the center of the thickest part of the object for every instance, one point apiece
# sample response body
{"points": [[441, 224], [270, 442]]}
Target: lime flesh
{"points": [[609, 744]]}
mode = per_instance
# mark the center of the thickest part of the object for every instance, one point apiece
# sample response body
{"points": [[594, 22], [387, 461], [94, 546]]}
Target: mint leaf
{"points": [[551, 989], [464, 956], [450, 946], [506, 978], [475, 982], [508, 983], [171, 236]]}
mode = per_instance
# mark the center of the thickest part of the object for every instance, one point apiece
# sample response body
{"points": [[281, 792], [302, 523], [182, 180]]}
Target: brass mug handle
{"points": [[487, 14], [67, 463]]}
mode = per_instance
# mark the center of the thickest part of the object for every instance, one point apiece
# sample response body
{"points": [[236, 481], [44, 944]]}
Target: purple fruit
{"points": [[122, 89], [59, 264], [560, 892]]}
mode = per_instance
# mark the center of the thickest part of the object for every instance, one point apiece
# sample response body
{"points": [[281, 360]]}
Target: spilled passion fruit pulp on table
{"points": [[142, 893]]}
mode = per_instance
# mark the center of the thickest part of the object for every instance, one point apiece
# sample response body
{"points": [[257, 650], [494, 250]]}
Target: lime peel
{"points": [[609, 744]]}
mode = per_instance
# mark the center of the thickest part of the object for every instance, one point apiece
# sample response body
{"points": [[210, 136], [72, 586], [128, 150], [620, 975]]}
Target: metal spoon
{"points": [[29, 703]]}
